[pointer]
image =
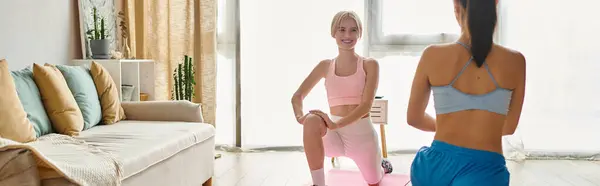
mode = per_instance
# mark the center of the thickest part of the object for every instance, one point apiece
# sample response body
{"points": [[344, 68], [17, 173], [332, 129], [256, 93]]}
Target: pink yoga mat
{"points": [[337, 177]]}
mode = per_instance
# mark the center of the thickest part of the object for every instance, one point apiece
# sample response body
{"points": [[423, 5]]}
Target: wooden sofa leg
{"points": [[208, 182]]}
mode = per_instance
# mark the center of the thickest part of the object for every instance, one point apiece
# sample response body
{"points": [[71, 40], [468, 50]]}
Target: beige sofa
{"points": [[44, 111], [161, 143]]}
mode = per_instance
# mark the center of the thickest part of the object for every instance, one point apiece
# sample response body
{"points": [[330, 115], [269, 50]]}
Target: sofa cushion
{"points": [[59, 103], [83, 89], [30, 97], [108, 93], [141, 144], [14, 124]]}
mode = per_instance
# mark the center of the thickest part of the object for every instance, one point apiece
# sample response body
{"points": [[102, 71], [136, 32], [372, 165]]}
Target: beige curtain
{"points": [[165, 31]]}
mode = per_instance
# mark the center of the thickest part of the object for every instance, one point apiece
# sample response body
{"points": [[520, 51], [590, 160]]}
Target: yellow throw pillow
{"points": [[112, 111], [14, 124], [59, 103]]}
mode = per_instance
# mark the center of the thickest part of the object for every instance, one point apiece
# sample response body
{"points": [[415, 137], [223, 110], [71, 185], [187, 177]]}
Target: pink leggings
{"points": [[359, 142]]}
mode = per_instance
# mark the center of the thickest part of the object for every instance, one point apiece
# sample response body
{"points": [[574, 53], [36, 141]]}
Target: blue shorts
{"points": [[445, 164]]}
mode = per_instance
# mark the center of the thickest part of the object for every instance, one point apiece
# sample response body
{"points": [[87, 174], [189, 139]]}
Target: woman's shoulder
{"points": [[325, 61], [368, 61], [323, 65], [448, 49], [370, 64], [510, 56], [438, 50], [509, 52]]}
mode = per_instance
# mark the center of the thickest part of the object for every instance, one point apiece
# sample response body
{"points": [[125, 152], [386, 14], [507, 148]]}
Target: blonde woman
{"points": [[351, 82]]}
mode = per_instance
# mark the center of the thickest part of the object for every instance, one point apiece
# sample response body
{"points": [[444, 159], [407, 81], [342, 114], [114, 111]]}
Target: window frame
{"points": [[376, 41], [374, 10]]}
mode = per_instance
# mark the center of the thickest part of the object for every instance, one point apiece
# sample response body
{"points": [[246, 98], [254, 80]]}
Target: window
{"points": [[226, 22], [410, 22], [226, 55]]}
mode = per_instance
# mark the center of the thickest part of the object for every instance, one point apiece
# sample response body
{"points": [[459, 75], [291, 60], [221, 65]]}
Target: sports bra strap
{"points": [[332, 67], [490, 73], [359, 65], [461, 71], [471, 59], [464, 45]]}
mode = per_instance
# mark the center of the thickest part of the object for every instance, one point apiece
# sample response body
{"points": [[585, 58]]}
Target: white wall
{"points": [[560, 42], [38, 31], [281, 42]]}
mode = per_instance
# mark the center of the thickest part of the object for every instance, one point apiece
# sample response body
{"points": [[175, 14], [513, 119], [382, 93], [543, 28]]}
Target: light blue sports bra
{"points": [[448, 99]]}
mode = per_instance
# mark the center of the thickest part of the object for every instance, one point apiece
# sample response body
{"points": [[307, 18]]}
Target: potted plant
{"points": [[183, 77], [97, 36]]}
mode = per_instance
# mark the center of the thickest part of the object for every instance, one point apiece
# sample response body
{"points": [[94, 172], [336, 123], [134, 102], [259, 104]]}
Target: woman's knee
{"points": [[370, 168], [314, 123], [313, 120]]}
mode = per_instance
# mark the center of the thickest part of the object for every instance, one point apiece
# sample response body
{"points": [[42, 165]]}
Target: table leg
{"points": [[383, 143]]}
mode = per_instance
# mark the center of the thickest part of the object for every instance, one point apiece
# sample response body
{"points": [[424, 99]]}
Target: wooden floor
{"points": [[290, 169]]}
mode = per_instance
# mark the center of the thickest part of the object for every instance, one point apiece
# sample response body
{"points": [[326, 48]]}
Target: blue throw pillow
{"points": [[82, 87], [29, 94]]}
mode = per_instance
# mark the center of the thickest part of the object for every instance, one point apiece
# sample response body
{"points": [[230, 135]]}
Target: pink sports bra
{"points": [[345, 90]]}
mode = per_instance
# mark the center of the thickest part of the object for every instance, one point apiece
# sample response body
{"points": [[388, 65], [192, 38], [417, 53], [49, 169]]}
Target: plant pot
{"points": [[100, 49], [127, 92]]}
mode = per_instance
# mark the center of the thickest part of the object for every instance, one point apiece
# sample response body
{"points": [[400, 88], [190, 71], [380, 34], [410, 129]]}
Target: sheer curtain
{"points": [[165, 31], [281, 42], [561, 115], [225, 88]]}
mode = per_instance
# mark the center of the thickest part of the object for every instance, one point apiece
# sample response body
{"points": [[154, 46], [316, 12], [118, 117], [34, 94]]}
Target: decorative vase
{"points": [[100, 49], [126, 50], [127, 92]]}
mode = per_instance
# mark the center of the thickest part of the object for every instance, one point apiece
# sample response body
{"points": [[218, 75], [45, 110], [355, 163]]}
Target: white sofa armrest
{"points": [[185, 111]]}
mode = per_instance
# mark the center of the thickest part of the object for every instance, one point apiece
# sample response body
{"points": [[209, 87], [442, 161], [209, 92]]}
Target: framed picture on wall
{"points": [[98, 28]]}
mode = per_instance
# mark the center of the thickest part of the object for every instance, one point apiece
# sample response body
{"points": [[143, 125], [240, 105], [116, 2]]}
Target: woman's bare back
{"points": [[477, 129]]}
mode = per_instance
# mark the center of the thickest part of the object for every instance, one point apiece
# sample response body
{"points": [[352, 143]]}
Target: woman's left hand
{"points": [[330, 124]]}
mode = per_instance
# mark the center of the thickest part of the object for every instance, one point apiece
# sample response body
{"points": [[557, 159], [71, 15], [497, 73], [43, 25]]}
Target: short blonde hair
{"points": [[343, 15]]}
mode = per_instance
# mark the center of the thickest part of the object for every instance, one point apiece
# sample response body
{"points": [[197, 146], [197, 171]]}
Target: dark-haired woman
{"points": [[478, 89]]}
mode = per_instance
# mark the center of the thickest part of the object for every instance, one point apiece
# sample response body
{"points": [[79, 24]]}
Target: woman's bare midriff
{"points": [[343, 110], [475, 129]]}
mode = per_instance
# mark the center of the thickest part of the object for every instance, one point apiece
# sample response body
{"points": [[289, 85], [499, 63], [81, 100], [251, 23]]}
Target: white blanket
{"points": [[64, 156]]}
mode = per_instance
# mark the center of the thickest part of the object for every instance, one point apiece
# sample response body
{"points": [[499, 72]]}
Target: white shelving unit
{"points": [[136, 72]]}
